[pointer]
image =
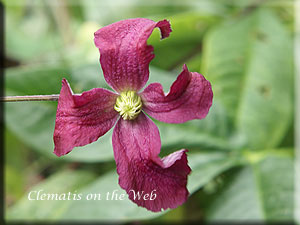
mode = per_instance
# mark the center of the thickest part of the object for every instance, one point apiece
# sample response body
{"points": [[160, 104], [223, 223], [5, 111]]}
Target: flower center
{"points": [[129, 105]]}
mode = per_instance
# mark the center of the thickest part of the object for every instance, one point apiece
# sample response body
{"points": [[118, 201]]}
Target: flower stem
{"points": [[29, 98]]}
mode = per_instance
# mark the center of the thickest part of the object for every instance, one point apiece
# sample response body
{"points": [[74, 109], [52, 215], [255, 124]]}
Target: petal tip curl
{"points": [[124, 53], [190, 97], [167, 180], [165, 28], [142, 173]]}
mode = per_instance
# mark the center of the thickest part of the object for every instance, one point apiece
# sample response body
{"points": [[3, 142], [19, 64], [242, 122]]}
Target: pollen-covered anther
{"points": [[129, 105]]}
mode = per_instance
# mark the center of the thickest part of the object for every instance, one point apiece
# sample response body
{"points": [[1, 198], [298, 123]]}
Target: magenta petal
{"points": [[82, 119], [190, 97], [124, 53], [136, 145]]}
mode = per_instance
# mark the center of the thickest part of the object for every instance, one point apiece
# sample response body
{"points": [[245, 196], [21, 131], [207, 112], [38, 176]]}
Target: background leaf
{"points": [[184, 41], [251, 75], [256, 192]]}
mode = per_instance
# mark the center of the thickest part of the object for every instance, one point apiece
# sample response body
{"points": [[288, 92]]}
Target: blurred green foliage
{"points": [[241, 154]]}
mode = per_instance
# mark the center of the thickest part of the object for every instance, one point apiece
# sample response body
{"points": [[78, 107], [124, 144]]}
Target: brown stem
{"points": [[29, 98]]}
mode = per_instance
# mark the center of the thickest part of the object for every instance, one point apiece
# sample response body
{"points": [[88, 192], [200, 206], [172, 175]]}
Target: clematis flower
{"points": [[82, 119]]}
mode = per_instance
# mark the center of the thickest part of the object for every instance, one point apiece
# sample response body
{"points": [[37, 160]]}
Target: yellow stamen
{"points": [[129, 105]]}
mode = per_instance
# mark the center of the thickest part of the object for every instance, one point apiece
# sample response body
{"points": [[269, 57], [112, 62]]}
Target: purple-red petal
{"points": [[82, 119], [190, 97], [161, 183], [124, 53]]}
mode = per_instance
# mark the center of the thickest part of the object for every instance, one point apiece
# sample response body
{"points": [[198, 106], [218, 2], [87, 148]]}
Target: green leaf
{"points": [[184, 41], [60, 183], [263, 190], [110, 12], [33, 122], [15, 153], [249, 61], [30, 35], [205, 166]]}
